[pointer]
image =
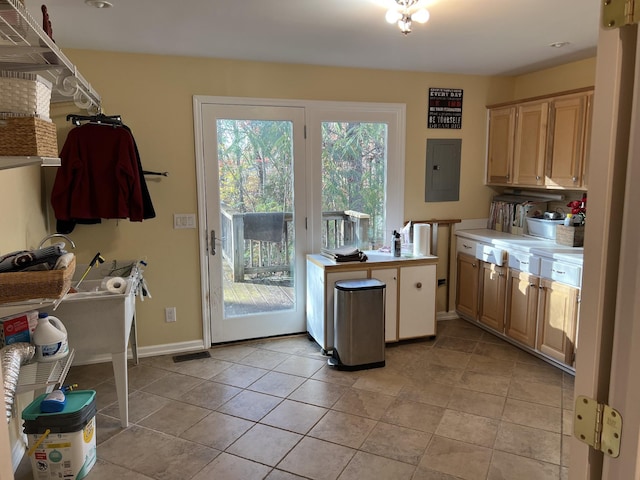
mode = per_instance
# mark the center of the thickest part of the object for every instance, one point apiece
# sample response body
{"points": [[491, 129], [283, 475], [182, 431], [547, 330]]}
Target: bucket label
{"points": [[88, 431], [42, 465], [69, 455], [55, 456]]}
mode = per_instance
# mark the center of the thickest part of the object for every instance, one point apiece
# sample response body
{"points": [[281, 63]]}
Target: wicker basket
{"points": [[18, 286], [25, 93], [570, 236], [27, 136]]}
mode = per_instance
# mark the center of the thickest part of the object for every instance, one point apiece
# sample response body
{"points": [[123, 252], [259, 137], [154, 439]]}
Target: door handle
{"points": [[213, 242]]}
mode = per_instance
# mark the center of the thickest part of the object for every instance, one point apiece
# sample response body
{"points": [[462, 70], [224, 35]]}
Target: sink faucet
{"points": [[54, 235]]}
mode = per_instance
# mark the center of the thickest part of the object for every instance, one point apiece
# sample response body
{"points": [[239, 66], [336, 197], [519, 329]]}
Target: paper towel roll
{"points": [[421, 239], [115, 284]]}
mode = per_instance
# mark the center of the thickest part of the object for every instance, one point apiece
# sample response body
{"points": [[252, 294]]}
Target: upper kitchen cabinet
{"points": [[587, 139], [502, 123], [567, 146], [530, 143], [540, 142]]}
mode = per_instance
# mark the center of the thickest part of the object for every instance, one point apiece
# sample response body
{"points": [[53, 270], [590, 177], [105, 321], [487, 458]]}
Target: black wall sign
{"points": [[445, 108]]}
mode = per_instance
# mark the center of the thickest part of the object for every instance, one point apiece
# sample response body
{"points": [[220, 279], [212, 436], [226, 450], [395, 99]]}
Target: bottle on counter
{"points": [[568, 220], [396, 244]]}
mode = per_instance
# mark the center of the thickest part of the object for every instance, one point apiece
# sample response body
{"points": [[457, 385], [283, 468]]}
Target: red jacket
{"points": [[99, 176]]}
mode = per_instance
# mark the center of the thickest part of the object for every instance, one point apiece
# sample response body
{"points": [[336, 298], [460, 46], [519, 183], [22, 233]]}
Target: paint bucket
{"points": [[62, 444]]}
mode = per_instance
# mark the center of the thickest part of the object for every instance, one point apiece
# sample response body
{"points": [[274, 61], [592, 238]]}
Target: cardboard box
{"points": [[18, 328]]}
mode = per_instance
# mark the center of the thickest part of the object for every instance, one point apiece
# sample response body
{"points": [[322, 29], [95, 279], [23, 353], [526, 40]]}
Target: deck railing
{"points": [[248, 256]]}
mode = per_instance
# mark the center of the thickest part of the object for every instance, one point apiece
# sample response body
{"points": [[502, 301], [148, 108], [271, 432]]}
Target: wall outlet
{"points": [[170, 314]]}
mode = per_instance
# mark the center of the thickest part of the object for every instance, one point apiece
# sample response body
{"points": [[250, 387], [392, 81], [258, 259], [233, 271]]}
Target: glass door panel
{"points": [[255, 272]]}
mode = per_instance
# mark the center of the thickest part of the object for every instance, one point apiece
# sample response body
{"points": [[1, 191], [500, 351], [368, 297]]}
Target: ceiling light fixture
{"points": [[405, 13], [99, 3], [558, 44]]}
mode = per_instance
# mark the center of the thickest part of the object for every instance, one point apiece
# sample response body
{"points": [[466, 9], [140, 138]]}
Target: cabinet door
{"points": [[417, 298], [467, 286], [390, 277], [493, 286], [530, 143], [566, 152], [522, 307], [587, 140], [557, 318], [500, 148], [329, 297]]}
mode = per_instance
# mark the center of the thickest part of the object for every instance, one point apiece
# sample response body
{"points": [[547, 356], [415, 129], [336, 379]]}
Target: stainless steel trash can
{"points": [[358, 324]]}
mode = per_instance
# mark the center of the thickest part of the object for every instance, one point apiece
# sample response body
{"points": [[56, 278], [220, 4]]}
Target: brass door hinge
{"points": [[597, 425], [617, 13]]}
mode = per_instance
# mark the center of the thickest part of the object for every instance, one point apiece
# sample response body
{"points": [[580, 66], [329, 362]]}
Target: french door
{"points": [[280, 179], [253, 162]]}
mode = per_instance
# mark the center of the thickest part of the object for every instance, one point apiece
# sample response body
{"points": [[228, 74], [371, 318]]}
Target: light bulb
{"points": [[421, 16], [405, 24], [393, 16]]}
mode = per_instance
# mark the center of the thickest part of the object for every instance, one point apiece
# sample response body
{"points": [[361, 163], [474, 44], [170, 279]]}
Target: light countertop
{"points": [[529, 244], [374, 257]]}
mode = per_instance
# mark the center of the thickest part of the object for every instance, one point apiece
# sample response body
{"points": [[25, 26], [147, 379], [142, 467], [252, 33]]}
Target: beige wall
{"points": [[154, 96], [565, 77]]}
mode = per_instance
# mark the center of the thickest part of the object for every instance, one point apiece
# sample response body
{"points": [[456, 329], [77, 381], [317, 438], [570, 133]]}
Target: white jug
{"points": [[50, 339]]}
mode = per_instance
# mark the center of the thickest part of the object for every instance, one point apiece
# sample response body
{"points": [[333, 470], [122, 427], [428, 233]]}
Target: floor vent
{"points": [[191, 356]]}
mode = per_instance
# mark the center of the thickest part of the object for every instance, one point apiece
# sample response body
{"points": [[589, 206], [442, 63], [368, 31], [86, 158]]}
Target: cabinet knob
{"points": [[532, 285], [537, 177], [419, 285], [575, 179]]}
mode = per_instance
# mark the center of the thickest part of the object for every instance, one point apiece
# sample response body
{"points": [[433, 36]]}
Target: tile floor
{"points": [[466, 405]]}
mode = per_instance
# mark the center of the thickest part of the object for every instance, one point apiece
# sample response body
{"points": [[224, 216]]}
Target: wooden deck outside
{"points": [[259, 295]]}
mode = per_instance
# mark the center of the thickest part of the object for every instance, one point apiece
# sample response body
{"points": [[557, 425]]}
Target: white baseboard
{"points": [[82, 358], [172, 348], [446, 315]]}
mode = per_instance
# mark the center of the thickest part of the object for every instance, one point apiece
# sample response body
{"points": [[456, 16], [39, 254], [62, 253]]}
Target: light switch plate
{"points": [[184, 220]]}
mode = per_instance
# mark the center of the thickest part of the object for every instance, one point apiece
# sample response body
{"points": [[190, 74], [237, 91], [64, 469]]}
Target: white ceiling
{"points": [[484, 37]]}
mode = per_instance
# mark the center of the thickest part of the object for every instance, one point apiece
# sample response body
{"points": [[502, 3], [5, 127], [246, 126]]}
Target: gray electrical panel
{"points": [[442, 179]]}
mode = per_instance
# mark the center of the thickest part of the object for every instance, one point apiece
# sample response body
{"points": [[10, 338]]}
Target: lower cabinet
{"points": [[480, 291], [410, 295], [467, 282], [493, 286], [522, 307], [536, 312], [417, 309], [557, 320], [410, 301], [390, 278]]}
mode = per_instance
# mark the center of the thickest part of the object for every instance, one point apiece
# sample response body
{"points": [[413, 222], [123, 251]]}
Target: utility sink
{"points": [[100, 324], [92, 285]]}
